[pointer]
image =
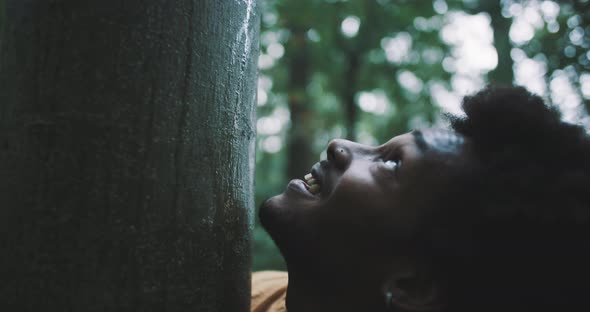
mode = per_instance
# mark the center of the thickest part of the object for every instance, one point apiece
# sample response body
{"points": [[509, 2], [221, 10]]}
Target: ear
{"points": [[409, 293]]}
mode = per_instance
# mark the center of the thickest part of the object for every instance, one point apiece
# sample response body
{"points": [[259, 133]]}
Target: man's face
{"points": [[370, 199]]}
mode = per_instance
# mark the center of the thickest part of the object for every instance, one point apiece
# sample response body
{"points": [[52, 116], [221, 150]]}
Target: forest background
{"points": [[369, 70]]}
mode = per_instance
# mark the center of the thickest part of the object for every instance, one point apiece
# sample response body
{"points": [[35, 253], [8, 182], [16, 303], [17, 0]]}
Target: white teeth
{"points": [[314, 189]]}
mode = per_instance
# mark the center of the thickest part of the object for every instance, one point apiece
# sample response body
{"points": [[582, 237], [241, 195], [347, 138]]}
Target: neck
{"points": [[333, 293]]}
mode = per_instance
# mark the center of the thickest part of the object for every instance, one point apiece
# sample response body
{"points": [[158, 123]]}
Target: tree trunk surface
{"points": [[126, 154]]}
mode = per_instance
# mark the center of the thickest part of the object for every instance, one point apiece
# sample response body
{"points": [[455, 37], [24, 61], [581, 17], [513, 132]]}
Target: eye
{"points": [[392, 164]]}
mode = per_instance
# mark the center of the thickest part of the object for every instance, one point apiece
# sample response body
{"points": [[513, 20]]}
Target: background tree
{"points": [[126, 155], [503, 73], [299, 70]]}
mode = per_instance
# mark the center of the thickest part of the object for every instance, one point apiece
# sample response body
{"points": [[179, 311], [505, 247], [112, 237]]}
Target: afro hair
{"points": [[514, 234]]}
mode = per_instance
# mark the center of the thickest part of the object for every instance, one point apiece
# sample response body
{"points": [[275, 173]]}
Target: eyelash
{"points": [[392, 164]]}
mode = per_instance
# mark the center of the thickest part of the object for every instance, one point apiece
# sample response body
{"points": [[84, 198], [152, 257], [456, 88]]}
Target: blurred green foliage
{"points": [[369, 70]]}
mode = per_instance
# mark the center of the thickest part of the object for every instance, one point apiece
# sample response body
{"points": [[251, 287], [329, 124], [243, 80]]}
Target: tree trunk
{"points": [[503, 73], [349, 92], [126, 154]]}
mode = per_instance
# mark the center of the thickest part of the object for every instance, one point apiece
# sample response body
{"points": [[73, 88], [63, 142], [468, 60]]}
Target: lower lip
{"points": [[299, 187]]}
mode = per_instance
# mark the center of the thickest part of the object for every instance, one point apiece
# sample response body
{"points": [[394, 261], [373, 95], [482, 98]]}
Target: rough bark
{"points": [[126, 154]]}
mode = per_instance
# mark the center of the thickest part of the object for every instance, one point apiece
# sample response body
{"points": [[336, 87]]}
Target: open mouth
{"points": [[311, 184]]}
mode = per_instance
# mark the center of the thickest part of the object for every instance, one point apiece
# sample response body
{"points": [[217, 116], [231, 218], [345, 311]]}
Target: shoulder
{"points": [[269, 290]]}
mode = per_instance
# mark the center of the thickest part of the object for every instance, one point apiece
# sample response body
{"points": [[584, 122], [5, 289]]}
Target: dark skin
{"points": [[348, 248]]}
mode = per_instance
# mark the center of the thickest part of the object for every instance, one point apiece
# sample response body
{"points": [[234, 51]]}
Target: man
{"points": [[491, 216]]}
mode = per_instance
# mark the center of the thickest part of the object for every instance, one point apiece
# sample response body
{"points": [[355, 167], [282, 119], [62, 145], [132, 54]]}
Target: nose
{"points": [[341, 152]]}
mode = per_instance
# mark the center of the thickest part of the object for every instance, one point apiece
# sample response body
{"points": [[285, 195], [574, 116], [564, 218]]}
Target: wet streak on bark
{"points": [[126, 145]]}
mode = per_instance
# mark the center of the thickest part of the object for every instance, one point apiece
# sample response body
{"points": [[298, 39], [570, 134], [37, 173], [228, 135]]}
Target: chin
{"points": [[281, 217], [274, 215], [268, 212]]}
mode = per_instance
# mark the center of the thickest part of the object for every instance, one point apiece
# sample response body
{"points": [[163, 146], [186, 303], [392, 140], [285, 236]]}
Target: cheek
{"points": [[359, 195], [360, 202]]}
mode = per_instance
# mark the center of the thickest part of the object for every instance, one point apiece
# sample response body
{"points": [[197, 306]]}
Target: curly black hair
{"points": [[514, 235]]}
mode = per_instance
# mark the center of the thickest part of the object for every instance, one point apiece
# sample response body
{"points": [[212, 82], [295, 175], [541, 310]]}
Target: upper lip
{"points": [[318, 173]]}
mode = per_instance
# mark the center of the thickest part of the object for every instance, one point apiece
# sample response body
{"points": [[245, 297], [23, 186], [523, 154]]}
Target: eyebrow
{"points": [[419, 139]]}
